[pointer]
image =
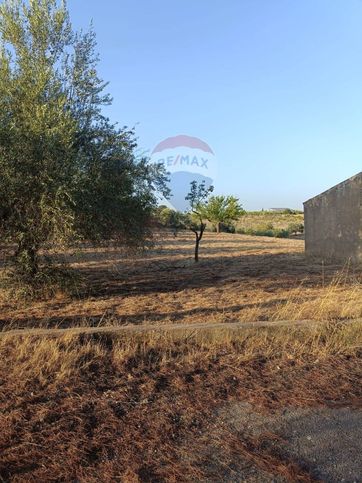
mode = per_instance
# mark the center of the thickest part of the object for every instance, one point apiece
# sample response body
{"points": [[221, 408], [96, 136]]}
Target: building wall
{"points": [[333, 222]]}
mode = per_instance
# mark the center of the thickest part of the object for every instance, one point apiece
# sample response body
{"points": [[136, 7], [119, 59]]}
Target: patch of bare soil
{"points": [[325, 442]]}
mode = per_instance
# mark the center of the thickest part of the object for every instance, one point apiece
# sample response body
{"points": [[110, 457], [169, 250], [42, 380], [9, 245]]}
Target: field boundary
{"points": [[58, 332]]}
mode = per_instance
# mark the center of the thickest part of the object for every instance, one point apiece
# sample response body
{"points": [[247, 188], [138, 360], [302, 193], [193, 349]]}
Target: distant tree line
{"points": [[221, 212]]}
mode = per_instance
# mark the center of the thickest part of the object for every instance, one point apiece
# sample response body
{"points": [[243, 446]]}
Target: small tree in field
{"points": [[222, 209], [66, 172], [197, 198]]}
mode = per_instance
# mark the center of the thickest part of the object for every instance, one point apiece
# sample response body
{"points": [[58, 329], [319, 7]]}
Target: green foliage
{"points": [[226, 228], [281, 233], [172, 219], [263, 231], [66, 171], [46, 283], [267, 222], [222, 210], [197, 198], [295, 228]]}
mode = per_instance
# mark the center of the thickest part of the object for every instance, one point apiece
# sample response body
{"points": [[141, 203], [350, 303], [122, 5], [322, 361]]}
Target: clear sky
{"points": [[273, 86]]}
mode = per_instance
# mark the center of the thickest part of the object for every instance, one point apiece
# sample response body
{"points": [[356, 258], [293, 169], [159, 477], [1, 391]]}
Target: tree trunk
{"points": [[197, 244], [218, 227], [198, 239]]}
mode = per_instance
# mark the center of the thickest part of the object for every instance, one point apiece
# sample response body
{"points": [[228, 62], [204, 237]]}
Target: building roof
{"points": [[347, 181]]}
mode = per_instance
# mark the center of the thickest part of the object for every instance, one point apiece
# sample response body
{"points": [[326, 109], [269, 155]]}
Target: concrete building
{"points": [[278, 210], [333, 222]]}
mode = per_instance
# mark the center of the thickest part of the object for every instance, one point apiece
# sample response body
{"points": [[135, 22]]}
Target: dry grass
{"points": [[65, 356], [141, 407], [263, 219], [239, 278], [101, 408]]}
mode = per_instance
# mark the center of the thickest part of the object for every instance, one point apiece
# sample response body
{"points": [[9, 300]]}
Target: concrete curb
{"points": [[36, 332]]}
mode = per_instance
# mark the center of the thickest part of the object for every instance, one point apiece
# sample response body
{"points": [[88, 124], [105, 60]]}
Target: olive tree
{"points": [[66, 172]]}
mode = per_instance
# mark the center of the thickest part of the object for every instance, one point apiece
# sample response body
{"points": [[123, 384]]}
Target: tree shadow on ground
{"points": [[123, 280], [109, 317], [284, 269]]}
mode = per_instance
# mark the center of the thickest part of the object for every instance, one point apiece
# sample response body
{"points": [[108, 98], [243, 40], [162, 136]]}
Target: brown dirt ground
{"points": [[239, 278], [100, 407], [93, 409]]}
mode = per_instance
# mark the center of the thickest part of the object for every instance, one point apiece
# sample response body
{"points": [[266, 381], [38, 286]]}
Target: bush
{"points": [[227, 228], [169, 218], [295, 228], [46, 283], [263, 231], [281, 233]]}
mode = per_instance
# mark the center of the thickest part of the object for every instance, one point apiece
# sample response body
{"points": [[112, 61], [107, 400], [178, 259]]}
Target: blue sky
{"points": [[273, 86]]}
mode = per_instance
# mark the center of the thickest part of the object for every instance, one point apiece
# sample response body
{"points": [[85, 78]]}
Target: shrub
{"points": [[281, 233], [226, 228], [263, 231], [295, 228]]}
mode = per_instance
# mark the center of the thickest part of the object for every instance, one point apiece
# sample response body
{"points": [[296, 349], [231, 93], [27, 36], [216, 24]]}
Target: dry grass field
{"points": [[239, 278], [146, 407], [263, 219]]}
